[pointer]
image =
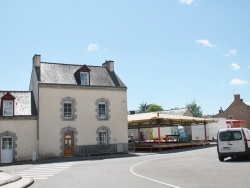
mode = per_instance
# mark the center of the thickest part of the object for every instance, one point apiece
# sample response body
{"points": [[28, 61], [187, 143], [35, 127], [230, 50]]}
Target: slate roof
{"points": [[24, 103], [57, 73]]}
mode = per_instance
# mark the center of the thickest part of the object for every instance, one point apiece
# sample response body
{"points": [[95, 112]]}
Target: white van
{"points": [[233, 142]]}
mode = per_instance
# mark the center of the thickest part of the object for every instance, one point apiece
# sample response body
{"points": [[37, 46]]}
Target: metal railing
{"points": [[88, 150]]}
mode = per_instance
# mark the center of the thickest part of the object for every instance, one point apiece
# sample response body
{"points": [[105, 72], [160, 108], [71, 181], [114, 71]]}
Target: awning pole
{"points": [[205, 128], [159, 133], [139, 135], [205, 132]]}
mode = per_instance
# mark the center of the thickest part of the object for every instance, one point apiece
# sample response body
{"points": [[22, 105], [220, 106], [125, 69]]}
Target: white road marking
{"points": [[150, 179], [45, 171]]}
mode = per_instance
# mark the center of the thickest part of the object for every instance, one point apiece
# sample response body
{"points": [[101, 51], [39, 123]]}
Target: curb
{"points": [[14, 178]]}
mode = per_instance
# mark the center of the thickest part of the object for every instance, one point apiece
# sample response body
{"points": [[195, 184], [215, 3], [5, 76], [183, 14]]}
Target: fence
{"points": [[88, 150]]}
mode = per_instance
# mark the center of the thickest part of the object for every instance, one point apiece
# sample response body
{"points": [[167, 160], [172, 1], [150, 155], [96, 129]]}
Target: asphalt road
{"points": [[185, 168]]}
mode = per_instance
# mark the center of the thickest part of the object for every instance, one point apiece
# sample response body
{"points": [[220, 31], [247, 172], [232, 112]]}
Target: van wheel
{"points": [[221, 158]]}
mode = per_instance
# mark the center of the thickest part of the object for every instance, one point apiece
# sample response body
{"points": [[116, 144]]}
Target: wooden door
{"points": [[68, 144]]}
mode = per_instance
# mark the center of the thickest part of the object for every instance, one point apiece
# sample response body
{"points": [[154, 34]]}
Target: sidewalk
{"points": [[12, 181]]}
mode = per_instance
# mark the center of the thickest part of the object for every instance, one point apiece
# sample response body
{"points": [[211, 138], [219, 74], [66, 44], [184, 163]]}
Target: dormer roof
{"points": [[7, 96]]}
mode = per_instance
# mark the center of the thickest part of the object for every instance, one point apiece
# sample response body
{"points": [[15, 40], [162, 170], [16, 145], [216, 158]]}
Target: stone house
{"points": [[236, 110], [69, 110]]}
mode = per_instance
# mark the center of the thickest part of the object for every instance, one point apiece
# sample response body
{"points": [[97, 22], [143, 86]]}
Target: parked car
{"points": [[233, 142]]}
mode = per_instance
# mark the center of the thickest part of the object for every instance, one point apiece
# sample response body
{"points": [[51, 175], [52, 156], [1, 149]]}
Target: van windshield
{"points": [[230, 135]]}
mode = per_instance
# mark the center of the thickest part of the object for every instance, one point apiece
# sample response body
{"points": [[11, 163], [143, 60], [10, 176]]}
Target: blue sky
{"points": [[167, 52]]}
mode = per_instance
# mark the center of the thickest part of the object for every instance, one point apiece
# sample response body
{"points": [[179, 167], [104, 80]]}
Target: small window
{"points": [[103, 137], [7, 108], [102, 110], [7, 143], [68, 112], [84, 78]]}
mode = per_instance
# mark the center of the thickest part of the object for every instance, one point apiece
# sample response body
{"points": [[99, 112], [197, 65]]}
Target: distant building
{"points": [[238, 110]]}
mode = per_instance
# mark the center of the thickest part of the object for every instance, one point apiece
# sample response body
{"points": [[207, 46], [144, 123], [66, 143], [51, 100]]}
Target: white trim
{"points": [[7, 153], [67, 113], [85, 76], [10, 110], [101, 115]]}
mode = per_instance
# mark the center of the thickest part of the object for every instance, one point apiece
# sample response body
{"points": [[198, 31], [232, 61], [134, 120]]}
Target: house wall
{"points": [[85, 123], [24, 131]]}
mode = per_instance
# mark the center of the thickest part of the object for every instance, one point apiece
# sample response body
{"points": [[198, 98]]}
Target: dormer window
{"points": [[7, 108], [84, 78], [7, 104]]}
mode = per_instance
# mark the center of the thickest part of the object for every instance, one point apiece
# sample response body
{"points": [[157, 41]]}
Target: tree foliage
{"points": [[154, 108], [195, 109], [143, 107]]}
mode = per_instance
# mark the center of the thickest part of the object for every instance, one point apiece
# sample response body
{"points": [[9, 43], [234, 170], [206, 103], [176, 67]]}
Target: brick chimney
{"points": [[36, 60], [109, 65], [237, 97]]}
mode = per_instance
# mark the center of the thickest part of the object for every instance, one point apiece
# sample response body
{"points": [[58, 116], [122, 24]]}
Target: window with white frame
{"points": [[67, 109], [84, 78], [102, 110], [102, 137], [7, 143], [7, 108]]}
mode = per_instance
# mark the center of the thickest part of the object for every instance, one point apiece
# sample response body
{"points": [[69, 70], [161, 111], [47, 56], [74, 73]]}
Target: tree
{"points": [[143, 107], [195, 109], [154, 108]]}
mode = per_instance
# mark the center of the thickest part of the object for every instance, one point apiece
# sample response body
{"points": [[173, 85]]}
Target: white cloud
{"points": [[206, 43], [92, 47], [235, 66], [238, 82], [248, 103], [232, 52], [187, 2]]}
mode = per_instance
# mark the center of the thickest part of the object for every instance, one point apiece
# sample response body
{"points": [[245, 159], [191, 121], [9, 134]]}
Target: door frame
{"points": [[63, 130], [14, 145], [9, 153]]}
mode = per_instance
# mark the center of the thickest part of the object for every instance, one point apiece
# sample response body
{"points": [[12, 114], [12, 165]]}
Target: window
{"points": [[7, 108], [7, 143], [84, 78], [67, 107], [102, 110], [102, 137], [230, 135]]}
